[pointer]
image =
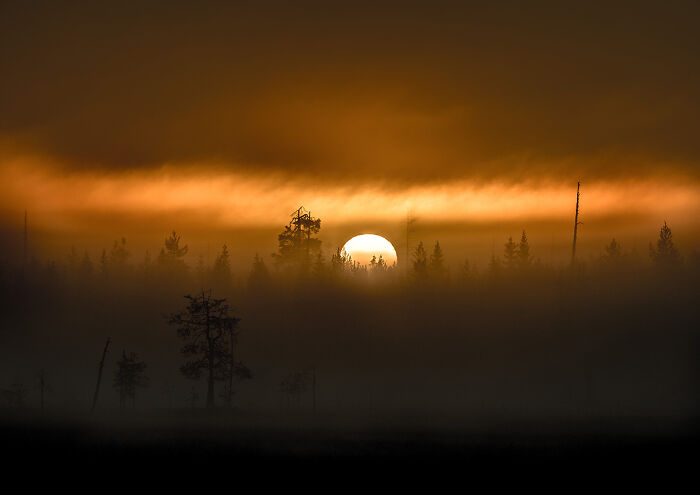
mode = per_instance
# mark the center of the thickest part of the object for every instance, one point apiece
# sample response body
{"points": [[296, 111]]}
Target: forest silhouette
{"points": [[305, 353], [518, 337]]}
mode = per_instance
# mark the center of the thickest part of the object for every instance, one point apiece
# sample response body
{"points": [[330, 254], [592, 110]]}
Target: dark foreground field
{"points": [[283, 442]]}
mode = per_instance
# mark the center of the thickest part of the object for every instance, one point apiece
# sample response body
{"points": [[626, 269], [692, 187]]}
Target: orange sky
{"points": [[211, 206], [476, 117]]}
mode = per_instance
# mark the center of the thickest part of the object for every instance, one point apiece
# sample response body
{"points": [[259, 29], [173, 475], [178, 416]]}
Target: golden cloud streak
{"points": [[227, 199]]}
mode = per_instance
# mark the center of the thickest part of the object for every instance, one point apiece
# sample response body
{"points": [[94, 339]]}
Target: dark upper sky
{"points": [[418, 92]]}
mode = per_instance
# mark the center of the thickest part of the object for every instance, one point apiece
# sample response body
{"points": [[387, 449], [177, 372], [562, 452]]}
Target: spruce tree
{"points": [[510, 253], [420, 262], [436, 266], [665, 254], [524, 259]]}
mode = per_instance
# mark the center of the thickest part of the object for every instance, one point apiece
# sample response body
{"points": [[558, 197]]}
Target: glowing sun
{"points": [[363, 247]]}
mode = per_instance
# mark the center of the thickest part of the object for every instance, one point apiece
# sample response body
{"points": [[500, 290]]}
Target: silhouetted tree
{"points": [[510, 253], [665, 254], [436, 267], [377, 266], [420, 262], [296, 244], [100, 367], [129, 375], [342, 262], [524, 259], [209, 332], [222, 269], [171, 257]]}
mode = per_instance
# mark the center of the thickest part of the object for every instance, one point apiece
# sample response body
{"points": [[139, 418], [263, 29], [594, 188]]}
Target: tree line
{"points": [[209, 330]]}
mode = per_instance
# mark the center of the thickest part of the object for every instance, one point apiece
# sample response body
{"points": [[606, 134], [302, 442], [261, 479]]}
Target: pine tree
{"points": [[222, 269], [171, 257], [436, 267], [524, 259], [665, 254], [209, 332], [296, 244], [510, 254], [342, 262], [420, 262], [377, 266]]}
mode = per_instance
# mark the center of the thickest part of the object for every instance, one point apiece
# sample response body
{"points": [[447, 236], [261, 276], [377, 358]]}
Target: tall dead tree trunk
{"points": [[99, 375], [576, 224]]}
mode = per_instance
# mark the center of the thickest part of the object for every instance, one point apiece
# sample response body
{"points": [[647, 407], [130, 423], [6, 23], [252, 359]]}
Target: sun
{"points": [[362, 247]]}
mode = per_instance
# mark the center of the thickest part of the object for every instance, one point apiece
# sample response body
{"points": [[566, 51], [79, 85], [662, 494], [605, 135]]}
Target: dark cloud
{"points": [[398, 91]]}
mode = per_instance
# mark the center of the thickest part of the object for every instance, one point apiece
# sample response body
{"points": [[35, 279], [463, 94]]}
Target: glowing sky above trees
{"points": [[229, 116]]}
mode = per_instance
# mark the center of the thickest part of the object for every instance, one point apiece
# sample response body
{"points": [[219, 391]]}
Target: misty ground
{"points": [[529, 364]]}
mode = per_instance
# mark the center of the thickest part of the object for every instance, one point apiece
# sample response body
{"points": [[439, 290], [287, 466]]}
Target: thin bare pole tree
{"points": [[99, 375], [576, 224]]}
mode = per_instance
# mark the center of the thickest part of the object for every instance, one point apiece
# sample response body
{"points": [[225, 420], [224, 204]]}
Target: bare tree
{"points": [[99, 374], [576, 223]]}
